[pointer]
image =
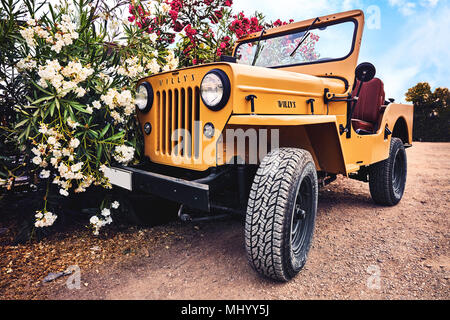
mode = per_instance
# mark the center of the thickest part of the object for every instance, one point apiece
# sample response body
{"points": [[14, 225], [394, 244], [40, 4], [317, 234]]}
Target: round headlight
{"points": [[215, 89], [144, 97]]}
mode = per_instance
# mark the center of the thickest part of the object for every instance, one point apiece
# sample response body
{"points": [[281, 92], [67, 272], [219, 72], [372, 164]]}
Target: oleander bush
{"points": [[201, 30], [67, 86], [78, 116]]}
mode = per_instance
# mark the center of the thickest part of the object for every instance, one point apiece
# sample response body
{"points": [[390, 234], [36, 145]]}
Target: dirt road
{"points": [[360, 250], [355, 241]]}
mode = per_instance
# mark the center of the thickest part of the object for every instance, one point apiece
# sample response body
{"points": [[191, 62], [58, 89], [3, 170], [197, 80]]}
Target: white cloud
{"points": [[429, 3], [408, 8], [421, 54]]}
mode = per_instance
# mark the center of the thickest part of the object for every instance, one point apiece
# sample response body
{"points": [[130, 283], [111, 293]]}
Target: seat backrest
{"points": [[370, 100]]}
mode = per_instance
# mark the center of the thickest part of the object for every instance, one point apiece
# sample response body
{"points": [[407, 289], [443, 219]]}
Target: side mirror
{"points": [[365, 72]]}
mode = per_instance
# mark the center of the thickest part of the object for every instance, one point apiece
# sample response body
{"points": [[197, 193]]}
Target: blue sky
{"points": [[410, 44]]}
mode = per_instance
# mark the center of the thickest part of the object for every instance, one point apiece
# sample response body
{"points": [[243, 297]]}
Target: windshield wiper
{"points": [[307, 33], [258, 46]]}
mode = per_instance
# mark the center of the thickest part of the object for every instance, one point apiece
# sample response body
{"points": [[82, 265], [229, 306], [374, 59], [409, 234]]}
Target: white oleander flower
{"points": [[28, 35], [123, 154], [36, 151], [74, 143], [41, 33], [79, 176], [172, 61], [110, 98], [45, 174], [125, 99], [51, 140], [106, 212], [165, 8], [66, 152], [56, 152], [26, 64], [44, 164], [64, 192], [117, 117], [37, 160], [57, 180], [46, 219], [115, 205], [54, 162], [77, 167], [72, 124], [97, 105], [153, 66], [94, 220], [80, 92], [69, 85], [153, 37], [43, 128]]}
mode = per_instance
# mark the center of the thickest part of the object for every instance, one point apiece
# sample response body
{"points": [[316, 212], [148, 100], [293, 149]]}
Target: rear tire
{"points": [[387, 179], [281, 214]]}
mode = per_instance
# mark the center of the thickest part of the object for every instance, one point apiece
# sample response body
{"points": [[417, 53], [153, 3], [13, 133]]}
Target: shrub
{"points": [[79, 116], [205, 29], [12, 89]]}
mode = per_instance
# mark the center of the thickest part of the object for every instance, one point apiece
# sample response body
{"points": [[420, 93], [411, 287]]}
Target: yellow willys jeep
{"points": [[258, 133]]}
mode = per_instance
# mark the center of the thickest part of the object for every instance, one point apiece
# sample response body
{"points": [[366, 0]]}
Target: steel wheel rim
{"points": [[302, 213]]}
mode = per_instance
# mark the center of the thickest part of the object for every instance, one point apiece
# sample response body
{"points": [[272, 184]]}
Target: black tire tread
{"points": [[269, 198], [380, 177]]}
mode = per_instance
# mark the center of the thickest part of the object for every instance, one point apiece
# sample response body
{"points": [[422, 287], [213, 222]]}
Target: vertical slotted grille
{"points": [[178, 111]]}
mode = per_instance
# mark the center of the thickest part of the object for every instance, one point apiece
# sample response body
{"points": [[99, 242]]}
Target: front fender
{"points": [[317, 134]]}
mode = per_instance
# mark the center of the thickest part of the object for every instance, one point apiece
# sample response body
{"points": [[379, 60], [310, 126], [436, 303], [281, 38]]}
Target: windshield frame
{"points": [[304, 29]]}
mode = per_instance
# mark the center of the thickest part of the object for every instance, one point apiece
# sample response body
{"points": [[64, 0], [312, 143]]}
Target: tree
{"points": [[431, 113]]}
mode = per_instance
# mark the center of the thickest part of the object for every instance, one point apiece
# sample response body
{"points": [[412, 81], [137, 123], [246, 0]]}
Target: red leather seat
{"points": [[367, 111]]}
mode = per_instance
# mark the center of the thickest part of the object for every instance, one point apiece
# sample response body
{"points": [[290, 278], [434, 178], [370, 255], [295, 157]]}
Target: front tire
{"points": [[387, 179], [281, 214]]}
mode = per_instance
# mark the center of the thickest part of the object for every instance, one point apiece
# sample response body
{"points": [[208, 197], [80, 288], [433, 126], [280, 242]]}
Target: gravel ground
{"points": [[360, 251]]}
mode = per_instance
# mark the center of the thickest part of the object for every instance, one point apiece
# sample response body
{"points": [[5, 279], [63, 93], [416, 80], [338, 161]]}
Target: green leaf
{"points": [[93, 133], [40, 88], [105, 130], [117, 136], [99, 155], [66, 113], [52, 107], [21, 123], [42, 99], [79, 107]]}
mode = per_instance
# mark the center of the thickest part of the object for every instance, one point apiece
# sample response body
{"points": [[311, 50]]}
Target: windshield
{"points": [[322, 44]]}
